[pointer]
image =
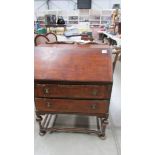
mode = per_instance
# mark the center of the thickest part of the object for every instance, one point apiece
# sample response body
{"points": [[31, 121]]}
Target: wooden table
{"points": [[72, 81]]}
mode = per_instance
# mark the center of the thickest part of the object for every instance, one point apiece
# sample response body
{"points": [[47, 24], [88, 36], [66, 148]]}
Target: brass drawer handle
{"points": [[94, 92], [46, 90], [93, 106], [48, 104]]}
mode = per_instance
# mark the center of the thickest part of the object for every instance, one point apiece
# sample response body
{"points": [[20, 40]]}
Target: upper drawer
{"points": [[73, 91]]}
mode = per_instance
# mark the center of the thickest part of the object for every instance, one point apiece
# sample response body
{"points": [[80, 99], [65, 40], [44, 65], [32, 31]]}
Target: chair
{"points": [[52, 37], [40, 39]]}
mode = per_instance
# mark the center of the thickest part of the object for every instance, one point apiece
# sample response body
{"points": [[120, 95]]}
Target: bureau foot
{"points": [[42, 133], [102, 126], [102, 136], [39, 119]]}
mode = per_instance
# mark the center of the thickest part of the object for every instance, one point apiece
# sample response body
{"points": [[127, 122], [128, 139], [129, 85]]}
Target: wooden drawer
{"points": [[72, 106], [73, 91]]}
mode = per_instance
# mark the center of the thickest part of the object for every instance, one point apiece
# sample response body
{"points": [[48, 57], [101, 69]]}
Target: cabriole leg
{"points": [[39, 118], [103, 122]]}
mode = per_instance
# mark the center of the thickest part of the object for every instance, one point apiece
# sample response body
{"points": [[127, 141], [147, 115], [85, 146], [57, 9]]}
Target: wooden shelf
{"points": [[94, 17]]}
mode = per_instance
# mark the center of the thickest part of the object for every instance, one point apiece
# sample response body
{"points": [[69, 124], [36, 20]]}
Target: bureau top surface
{"points": [[75, 65]]}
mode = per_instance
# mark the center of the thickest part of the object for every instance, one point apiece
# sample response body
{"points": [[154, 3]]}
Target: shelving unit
{"points": [[73, 19], [105, 19], [84, 18], [94, 17], [106, 16]]}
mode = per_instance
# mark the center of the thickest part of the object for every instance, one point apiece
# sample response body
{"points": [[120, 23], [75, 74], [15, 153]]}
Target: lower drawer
{"points": [[72, 106]]}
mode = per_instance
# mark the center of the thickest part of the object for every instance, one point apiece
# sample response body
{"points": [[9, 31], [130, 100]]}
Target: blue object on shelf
{"points": [[37, 25]]}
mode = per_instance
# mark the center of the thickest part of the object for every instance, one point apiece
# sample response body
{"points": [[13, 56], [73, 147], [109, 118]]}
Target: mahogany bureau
{"points": [[72, 81]]}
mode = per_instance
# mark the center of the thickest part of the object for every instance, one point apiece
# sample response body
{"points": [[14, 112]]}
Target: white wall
{"points": [[71, 4], [41, 5]]}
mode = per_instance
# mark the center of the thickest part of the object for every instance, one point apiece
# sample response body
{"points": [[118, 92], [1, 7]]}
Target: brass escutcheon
{"points": [[93, 106], [46, 90], [94, 92], [48, 104]]}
